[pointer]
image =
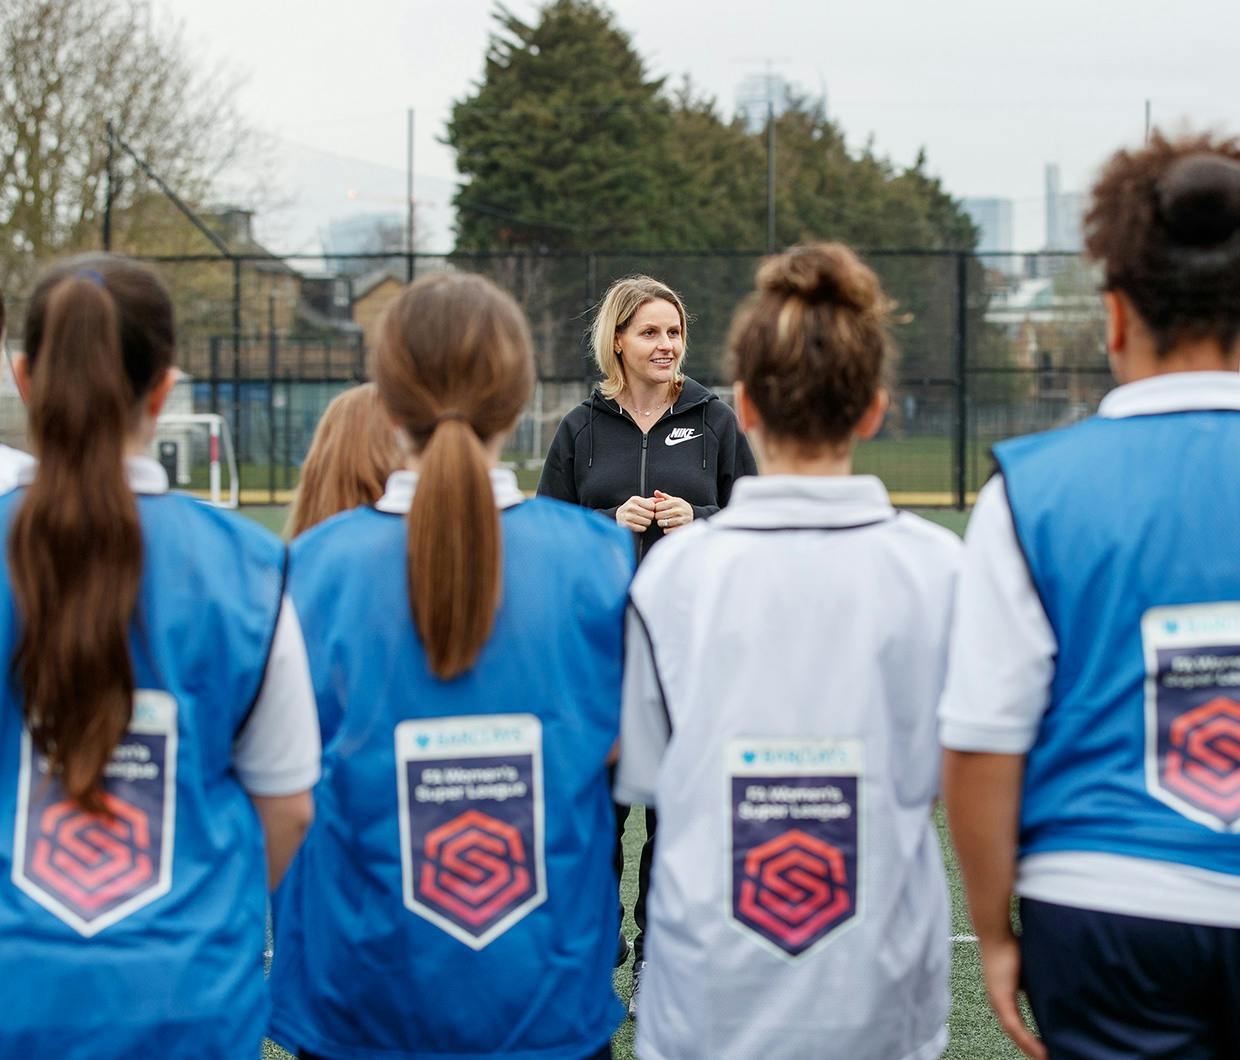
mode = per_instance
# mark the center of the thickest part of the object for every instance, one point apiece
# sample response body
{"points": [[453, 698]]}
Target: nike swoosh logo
{"points": [[669, 440]]}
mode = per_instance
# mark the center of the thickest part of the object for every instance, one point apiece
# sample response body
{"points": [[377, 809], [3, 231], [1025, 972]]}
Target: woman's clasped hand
{"points": [[665, 511]]}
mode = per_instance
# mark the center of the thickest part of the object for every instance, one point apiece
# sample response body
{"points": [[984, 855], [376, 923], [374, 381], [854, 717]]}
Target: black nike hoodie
{"points": [[599, 457]]}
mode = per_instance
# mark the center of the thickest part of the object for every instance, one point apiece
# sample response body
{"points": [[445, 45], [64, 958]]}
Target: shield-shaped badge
{"points": [[92, 870], [1192, 711], [794, 856], [471, 822]]}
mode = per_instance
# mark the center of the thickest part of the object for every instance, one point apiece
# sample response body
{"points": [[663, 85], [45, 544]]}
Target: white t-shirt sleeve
{"points": [[644, 725], [12, 462], [278, 750], [1002, 656]]}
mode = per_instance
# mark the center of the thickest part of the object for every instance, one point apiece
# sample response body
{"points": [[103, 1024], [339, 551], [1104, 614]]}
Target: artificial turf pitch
{"points": [[974, 1033]]}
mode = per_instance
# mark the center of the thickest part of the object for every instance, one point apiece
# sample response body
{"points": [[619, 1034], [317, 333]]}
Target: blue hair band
{"points": [[94, 275]]}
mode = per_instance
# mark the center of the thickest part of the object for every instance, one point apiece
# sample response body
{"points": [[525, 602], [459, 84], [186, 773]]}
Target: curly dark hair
{"points": [[1164, 222]]}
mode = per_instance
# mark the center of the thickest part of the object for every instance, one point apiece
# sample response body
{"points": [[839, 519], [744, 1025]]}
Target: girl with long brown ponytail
{"points": [[158, 696], [456, 896]]}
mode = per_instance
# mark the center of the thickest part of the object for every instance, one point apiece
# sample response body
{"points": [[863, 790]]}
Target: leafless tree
{"points": [[67, 67]]}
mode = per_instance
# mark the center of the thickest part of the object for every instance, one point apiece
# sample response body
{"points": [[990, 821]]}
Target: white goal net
{"points": [[196, 451]]}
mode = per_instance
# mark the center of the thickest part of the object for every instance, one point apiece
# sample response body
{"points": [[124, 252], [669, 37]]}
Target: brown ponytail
{"points": [[454, 367], [98, 334]]}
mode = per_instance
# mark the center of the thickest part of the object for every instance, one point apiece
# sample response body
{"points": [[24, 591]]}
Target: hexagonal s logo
{"points": [[1192, 718], [92, 870], [470, 807], [794, 846], [1199, 762], [794, 889]]}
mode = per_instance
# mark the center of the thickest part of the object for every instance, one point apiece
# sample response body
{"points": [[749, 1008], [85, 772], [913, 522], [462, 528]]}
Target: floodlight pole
{"points": [[409, 200]]}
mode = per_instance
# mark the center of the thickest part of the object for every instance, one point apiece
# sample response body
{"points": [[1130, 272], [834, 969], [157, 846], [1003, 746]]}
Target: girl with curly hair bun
{"points": [[1091, 717]]}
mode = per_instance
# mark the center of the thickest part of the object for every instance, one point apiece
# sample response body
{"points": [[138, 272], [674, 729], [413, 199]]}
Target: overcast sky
{"points": [[992, 90]]}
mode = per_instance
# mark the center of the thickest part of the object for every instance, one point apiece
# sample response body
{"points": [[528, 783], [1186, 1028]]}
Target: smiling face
{"points": [[652, 345]]}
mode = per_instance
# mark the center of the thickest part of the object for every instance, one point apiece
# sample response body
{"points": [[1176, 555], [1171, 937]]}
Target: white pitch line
{"points": [[964, 938]]}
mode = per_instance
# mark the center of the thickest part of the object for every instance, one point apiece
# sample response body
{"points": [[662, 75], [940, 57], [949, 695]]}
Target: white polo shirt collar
{"points": [[796, 502], [143, 474], [401, 485], [1173, 392]]}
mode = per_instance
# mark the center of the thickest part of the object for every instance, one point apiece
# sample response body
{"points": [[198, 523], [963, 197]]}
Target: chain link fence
{"points": [[990, 348]]}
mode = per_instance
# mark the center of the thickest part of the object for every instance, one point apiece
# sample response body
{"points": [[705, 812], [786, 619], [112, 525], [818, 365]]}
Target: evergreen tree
{"points": [[566, 143], [560, 144]]}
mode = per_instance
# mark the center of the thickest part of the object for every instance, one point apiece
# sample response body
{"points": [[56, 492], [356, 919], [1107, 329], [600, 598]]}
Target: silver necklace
{"points": [[652, 410]]}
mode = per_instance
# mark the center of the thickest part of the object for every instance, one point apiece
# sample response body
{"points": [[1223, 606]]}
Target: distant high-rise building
{"points": [[755, 92], [993, 218], [368, 233], [1065, 211]]}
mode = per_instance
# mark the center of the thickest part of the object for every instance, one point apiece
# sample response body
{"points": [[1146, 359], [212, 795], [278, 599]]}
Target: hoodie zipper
{"points": [[641, 491], [641, 488]]}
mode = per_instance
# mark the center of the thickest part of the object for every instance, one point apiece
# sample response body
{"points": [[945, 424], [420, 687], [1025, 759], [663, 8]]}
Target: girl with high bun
{"points": [[157, 723], [783, 664], [455, 897], [1092, 717]]}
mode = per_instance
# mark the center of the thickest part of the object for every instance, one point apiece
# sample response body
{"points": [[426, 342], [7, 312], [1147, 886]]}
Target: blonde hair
{"points": [[615, 312], [455, 366], [354, 449]]}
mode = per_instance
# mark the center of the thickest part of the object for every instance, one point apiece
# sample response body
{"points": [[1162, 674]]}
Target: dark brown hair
{"points": [[454, 365], [99, 334], [354, 449], [1164, 222], [811, 344]]}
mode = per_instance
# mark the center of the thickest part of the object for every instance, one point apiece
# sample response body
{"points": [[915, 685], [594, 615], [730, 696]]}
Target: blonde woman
{"points": [[354, 449], [650, 448]]}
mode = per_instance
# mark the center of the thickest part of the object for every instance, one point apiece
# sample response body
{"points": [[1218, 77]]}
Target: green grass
{"points": [[272, 516], [922, 464], [975, 1034]]}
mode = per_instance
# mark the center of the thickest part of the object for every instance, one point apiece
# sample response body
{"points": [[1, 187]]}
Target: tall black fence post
{"points": [[108, 191], [591, 302], [213, 349], [770, 175], [961, 374], [288, 430], [236, 345], [272, 352]]}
